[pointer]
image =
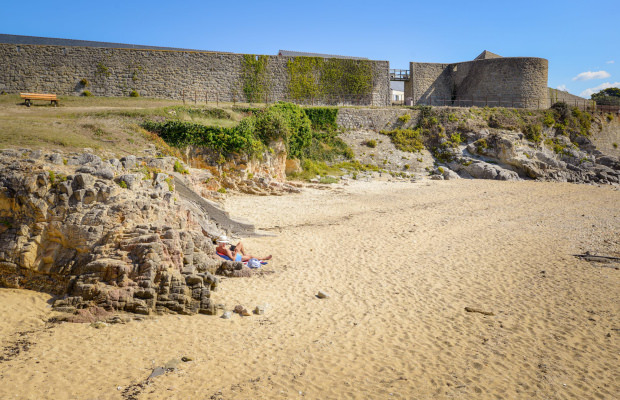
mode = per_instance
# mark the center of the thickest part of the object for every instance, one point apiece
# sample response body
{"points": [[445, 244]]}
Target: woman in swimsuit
{"points": [[235, 253]]}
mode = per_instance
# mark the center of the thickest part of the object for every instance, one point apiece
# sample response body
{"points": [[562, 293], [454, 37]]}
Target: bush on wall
{"points": [[255, 79], [320, 78]]}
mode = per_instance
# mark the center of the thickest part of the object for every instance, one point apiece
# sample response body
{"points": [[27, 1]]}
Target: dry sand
{"points": [[400, 261]]}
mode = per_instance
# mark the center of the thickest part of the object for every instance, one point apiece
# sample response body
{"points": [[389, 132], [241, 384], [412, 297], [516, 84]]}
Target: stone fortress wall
{"points": [[153, 73], [521, 81]]}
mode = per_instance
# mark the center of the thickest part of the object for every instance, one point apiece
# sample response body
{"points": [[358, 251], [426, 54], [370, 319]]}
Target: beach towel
{"points": [[225, 257]]}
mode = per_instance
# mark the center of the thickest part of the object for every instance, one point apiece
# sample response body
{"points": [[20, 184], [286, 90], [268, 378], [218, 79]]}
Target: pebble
{"points": [[322, 295], [227, 315], [259, 310]]}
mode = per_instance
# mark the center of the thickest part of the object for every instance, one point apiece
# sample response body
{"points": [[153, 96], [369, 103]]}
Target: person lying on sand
{"points": [[237, 252]]}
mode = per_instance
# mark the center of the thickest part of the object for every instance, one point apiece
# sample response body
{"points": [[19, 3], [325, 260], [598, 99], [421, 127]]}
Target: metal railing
{"points": [[399, 74], [213, 97], [507, 102]]}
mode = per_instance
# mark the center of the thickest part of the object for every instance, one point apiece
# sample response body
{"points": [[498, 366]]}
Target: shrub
{"points": [[87, 93], [371, 143], [178, 167], [562, 110], [406, 139], [455, 138], [582, 121], [404, 118], [122, 184], [322, 117], [221, 190], [328, 180], [533, 133], [84, 82], [610, 117], [615, 145], [548, 121], [134, 93]]}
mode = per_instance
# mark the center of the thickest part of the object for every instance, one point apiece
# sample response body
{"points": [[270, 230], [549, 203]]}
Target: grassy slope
{"points": [[104, 124]]}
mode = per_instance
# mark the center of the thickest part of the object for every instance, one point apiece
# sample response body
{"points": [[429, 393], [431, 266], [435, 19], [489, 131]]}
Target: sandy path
{"points": [[400, 261]]}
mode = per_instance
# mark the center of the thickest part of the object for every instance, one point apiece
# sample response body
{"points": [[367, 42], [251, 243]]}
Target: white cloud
{"points": [[586, 76], [588, 92], [562, 88], [610, 62]]}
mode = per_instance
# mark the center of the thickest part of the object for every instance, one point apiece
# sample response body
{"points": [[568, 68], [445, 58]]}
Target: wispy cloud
{"points": [[589, 92], [562, 88], [586, 76], [610, 62]]}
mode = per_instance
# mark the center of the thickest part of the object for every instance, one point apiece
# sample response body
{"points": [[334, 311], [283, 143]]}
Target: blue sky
{"points": [[580, 39]]}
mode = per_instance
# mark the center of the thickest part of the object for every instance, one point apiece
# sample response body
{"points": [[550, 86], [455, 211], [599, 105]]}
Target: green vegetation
{"points": [[328, 180], [311, 168], [255, 80], [558, 146], [87, 93], [533, 133], [320, 78], [84, 82], [404, 118], [102, 70], [610, 96], [481, 145], [615, 145], [221, 190], [178, 167], [610, 117], [134, 93], [322, 118], [548, 121], [282, 121], [122, 184], [406, 139], [372, 143]]}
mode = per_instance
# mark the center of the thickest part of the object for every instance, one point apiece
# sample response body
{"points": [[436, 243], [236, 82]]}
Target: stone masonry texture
{"points": [[518, 81], [152, 73]]}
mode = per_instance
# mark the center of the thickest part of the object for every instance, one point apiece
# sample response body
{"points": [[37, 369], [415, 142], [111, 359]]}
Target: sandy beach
{"points": [[400, 262]]}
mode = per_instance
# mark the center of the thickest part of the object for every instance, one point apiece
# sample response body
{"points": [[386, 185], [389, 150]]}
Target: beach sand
{"points": [[400, 262]]}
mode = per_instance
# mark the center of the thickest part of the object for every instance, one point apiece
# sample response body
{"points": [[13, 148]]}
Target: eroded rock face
{"points": [[516, 157], [103, 233]]}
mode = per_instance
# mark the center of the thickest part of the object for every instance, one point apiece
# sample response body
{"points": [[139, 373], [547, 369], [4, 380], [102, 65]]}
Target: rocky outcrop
{"points": [[113, 233], [556, 158]]}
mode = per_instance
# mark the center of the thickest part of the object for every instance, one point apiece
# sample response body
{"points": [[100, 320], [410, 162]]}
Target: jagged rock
{"points": [[129, 162], [448, 174], [100, 247]]}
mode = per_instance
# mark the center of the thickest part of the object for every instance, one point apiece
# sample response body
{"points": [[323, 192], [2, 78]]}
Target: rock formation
{"points": [[112, 233]]}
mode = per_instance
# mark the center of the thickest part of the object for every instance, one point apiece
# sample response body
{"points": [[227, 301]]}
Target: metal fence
{"points": [[196, 97], [508, 102]]}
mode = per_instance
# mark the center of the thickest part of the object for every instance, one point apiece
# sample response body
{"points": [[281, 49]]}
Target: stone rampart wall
{"points": [[572, 100], [152, 73], [521, 79], [373, 118]]}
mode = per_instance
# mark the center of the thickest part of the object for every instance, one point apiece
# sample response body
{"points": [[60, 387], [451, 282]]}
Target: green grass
{"points": [[107, 124]]}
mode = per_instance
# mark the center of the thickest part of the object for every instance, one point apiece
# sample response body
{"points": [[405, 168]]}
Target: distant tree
{"points": [[610, 96]]}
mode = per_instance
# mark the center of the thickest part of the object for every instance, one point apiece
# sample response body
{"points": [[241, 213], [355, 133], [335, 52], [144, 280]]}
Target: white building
{"points": [[397, 95]]}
